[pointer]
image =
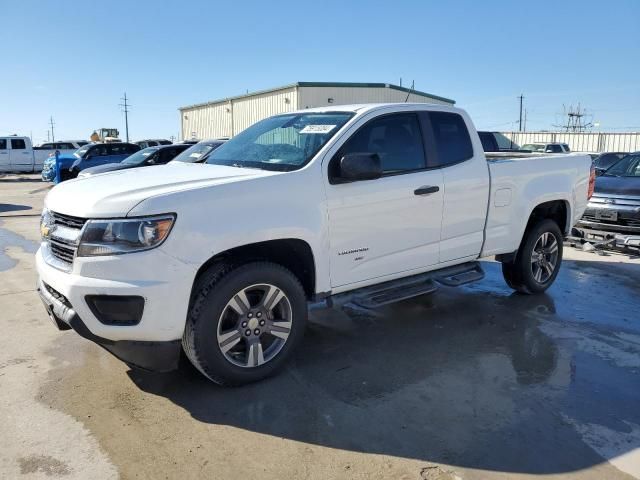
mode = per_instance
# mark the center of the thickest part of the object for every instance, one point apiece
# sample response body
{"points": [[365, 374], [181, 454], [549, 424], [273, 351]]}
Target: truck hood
{"points": [[114, 194], [618, 185]]}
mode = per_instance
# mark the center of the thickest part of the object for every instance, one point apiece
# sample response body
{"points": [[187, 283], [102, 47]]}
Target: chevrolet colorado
{"points": [[374, 203]]}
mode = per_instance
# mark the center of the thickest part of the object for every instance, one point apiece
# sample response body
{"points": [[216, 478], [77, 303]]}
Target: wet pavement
{"points": [[474, 382]]}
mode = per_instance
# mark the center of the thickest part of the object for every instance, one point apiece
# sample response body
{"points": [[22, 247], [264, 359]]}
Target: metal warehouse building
{"points": [[228, 116]]}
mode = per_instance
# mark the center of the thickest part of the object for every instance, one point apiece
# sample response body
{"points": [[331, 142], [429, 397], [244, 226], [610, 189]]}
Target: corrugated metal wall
{"points": [[226, 119], [248, 110], [581, 142], [309, 97], [207, 121]]}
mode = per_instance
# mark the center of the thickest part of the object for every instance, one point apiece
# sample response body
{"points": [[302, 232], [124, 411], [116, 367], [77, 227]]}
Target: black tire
{"points": [[211, 296], [519, 274]]}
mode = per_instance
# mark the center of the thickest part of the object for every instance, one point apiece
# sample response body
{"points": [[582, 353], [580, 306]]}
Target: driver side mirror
{"points": [[354, 167]]}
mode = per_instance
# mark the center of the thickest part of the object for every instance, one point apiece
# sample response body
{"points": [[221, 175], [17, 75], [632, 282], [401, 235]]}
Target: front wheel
{"points": [[245, 322], [537, 261]]}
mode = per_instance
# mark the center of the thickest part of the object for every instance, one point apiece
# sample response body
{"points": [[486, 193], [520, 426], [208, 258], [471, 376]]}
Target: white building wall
{"points": [[249, 110], [229, 117], [310, 97], [206, 121]]}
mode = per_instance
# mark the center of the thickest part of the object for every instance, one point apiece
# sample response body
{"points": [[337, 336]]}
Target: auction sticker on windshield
{"points": [[317, 129]]}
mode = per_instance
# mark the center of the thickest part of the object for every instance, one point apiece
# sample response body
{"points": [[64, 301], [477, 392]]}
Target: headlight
{"points": [[45, 224], [114, 237]]}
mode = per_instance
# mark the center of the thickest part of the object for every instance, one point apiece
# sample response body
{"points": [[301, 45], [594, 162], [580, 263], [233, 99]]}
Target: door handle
{"points": [[426, 190]]}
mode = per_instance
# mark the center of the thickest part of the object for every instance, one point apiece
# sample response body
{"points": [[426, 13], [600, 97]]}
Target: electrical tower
{"points": [[576, 119], [125, 108]]}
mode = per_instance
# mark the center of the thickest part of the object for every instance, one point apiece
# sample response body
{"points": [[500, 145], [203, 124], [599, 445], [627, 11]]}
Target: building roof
{"points": [[322, 84]]}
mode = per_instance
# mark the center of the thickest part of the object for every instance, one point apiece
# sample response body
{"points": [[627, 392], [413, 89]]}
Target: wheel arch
{"points": [[556, 210], [294, 254]]}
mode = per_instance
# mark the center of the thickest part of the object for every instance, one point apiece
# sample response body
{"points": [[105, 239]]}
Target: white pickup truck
{"points": [[377, 203], [18, 155]]}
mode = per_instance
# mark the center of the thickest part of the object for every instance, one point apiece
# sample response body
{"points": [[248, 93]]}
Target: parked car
{"points": [[143, 158], [91, 155], [199, 152], [546, 147], [319, 204], [605, 160], [18, 155], [153, 142], [615, 205], [62, 145]]}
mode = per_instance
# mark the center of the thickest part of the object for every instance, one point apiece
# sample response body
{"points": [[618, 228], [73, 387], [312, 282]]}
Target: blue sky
{"points": [[74, 59]]}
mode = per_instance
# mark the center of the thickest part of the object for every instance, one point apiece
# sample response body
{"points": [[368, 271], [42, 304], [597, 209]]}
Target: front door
{"points": [[392, 224]]}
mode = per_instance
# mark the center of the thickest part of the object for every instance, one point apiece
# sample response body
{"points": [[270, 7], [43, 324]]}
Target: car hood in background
{"points": [[114, 194], [109, 167], [618, 185]]}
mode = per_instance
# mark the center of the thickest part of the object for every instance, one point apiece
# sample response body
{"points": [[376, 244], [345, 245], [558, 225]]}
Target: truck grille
{"points": [[63, 249]]}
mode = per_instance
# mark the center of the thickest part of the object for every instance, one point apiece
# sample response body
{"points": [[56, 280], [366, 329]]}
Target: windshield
{"points": [[140, 156], [629, 166], [281, 143], [81, 151], [196, 153], [534, 147]]}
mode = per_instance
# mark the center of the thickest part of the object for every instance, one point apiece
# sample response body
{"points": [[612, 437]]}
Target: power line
{"points": [[125, 108]]}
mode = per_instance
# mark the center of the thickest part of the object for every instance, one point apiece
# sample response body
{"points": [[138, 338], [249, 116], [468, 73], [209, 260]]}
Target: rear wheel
{"points": [[537, 261], [245, 322]]}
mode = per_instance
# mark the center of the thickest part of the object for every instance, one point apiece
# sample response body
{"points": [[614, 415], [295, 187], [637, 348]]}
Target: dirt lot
{"points": [[475, 382]]}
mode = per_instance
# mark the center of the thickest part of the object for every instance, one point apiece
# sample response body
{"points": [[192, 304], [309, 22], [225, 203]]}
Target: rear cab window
{"points": [[451, 138], [18, 144]]}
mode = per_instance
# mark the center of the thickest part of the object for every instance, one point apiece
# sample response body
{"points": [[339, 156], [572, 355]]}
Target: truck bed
{"points": [[531, 176]]}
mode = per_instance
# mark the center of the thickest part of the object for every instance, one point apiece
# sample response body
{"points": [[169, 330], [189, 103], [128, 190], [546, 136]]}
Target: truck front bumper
{"points": [[154, 356], [153, 340]]}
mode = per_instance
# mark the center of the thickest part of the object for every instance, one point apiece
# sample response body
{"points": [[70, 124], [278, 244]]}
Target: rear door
{"points": [[5, 155], [390, 225], [21, 157], [466, 184]]}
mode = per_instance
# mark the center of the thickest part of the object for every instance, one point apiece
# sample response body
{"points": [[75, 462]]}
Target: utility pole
{"points": [[53, 136], [521, 97], [125, 108], [48, 138], [525, 120]]}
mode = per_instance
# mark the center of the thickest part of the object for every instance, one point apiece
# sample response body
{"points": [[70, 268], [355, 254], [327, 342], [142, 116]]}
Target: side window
{"points": [[3, 143], [115, 149], [98, 151], [18, 144], [132, 148], [47, 146], [64, 146], [566, 147], [451, 136], [556, 148], [166, 155], [396, 138]]}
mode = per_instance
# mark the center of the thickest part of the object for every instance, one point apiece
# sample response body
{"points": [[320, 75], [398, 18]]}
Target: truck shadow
{"points": [[474, 377]]}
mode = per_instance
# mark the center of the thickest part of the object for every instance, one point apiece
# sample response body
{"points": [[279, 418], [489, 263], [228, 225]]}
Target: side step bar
{"points": [[409, 287]]}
